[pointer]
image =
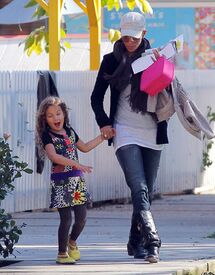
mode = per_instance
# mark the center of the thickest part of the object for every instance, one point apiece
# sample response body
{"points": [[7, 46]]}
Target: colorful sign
{"points": [[196, 24], [205, 38]]}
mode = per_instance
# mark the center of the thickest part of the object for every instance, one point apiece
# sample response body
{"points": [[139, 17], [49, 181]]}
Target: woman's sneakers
{"points": [[74, 252], [65, 259]]}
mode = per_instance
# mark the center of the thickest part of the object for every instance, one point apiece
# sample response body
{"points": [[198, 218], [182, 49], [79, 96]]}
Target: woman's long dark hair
{"points": [[123, 75]]}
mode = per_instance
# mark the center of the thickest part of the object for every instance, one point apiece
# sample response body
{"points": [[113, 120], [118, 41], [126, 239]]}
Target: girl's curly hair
{"points": [[41, 124]]}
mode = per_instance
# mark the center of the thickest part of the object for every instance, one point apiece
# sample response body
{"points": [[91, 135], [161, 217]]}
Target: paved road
{"points": [[184, 223]]}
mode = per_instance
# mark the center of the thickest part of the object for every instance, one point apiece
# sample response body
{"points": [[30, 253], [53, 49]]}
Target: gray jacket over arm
{"points": [[175, 99]]}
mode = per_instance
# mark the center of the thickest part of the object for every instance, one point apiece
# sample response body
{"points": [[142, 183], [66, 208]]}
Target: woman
{"points": [[137, 137]]}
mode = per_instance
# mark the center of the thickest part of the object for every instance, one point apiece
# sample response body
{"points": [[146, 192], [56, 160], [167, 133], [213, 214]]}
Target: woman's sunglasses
{"points": [[127, 38]]}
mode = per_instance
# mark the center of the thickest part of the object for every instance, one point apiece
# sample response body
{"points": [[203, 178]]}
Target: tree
{"points": [[41, 39]]}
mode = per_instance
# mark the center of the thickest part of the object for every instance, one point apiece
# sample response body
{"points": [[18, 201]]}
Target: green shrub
{"points": [[10, 169], [208, 144]]}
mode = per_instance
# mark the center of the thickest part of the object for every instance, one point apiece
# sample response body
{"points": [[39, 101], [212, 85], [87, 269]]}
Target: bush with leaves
{"points": [[207, 144], [10, 169]]}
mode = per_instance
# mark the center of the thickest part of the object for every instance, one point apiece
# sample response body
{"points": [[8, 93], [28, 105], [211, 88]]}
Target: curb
{"points": [[207, 268]]}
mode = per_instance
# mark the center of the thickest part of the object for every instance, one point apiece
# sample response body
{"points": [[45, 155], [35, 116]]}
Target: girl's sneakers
{"points": [[65, 259], [74, 252]]}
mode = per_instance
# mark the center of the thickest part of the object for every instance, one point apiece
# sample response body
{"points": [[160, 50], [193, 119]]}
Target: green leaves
{"points": [[142, 5], [38, 40], [131, 4], [10, 169], [9, 233], [65, 44], [114, 35], [28, 171], [111, 4], [39, 11], [210, 114], [30, 4], [207, 146]]}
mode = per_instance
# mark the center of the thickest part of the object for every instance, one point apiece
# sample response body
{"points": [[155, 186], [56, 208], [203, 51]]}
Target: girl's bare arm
{"points": [[59, 159], [88, 146]]}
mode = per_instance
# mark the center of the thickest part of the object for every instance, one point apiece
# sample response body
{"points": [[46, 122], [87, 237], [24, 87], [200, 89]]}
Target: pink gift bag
{"points": [[157, 76]]}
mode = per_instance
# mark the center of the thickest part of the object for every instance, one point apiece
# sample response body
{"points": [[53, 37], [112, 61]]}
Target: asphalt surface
{"points": [[184, 223]]}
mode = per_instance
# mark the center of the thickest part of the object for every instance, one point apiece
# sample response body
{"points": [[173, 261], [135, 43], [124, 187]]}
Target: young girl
{"points": [[68, 187]]}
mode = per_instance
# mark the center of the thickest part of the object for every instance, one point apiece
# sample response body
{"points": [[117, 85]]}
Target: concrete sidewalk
{"points": [[184, 223]]}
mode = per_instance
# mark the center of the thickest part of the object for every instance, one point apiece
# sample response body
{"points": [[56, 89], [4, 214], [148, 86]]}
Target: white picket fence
{"points": [[181, 162]]}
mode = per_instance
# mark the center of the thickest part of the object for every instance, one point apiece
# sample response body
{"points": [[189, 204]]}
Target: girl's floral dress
{"points": [[68, 187]]}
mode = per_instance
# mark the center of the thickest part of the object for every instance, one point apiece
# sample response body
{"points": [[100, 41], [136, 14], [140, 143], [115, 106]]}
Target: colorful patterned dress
{"points": [[68, 187]]}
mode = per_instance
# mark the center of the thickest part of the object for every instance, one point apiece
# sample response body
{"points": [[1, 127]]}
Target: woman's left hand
{"points": [[156, 53], [108, 132]]}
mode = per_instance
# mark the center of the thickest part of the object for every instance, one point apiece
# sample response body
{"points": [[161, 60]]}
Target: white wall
{"points": [[180, 167]]}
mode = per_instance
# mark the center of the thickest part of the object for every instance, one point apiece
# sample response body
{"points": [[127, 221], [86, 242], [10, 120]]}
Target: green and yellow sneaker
{"points": [[65, 259], [74, 252]]}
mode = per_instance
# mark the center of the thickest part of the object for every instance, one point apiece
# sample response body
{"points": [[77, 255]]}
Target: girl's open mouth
{"points": [[57, 124]]}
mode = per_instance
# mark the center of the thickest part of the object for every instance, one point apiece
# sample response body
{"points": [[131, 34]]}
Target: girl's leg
{"points": [[64, 227], [80, 212]]}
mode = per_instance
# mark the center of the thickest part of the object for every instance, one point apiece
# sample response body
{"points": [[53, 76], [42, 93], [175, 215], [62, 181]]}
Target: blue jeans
{"points": [[140, 166]]}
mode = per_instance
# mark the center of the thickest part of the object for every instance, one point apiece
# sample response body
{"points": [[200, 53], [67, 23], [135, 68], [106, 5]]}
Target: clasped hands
{"points": [[108, 132]]}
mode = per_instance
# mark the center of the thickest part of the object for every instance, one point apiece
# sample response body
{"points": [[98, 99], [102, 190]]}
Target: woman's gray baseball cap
{"points": [[132, 24]]}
